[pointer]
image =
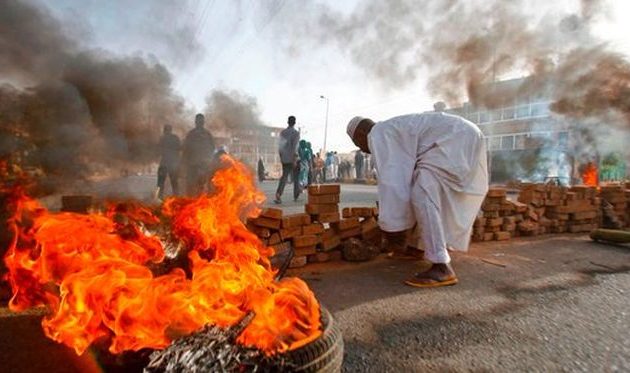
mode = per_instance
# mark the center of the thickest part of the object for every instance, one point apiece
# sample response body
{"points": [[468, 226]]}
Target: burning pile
{"points": [[97, 274]]}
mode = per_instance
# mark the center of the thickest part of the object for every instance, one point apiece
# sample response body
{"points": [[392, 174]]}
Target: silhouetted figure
{"points": [[170, 147], [198, 151], [261, 170], [287, 148]]}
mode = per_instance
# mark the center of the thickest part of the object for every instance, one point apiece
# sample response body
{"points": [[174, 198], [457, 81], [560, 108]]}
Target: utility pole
{"points": [[326, 123]]}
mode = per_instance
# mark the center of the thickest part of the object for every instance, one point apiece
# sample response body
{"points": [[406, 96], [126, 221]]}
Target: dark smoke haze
{"points": [[76, 112], [79, 111], [231, 110], [464, 45]]}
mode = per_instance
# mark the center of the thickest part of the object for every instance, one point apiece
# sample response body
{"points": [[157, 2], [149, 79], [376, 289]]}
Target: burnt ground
{"points": [[551, 303]]}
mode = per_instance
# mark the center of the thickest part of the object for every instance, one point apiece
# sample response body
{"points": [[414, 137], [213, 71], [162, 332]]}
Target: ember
{"points": [[94, 272]]}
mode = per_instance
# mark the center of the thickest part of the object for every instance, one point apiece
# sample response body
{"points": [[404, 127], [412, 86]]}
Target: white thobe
{"points": [[432, 170]]}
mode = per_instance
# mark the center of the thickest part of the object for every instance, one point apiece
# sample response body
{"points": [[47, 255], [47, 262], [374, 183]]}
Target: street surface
{"points": [[551, 303]]}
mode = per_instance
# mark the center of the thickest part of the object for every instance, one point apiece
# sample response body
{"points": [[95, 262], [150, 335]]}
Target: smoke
{"points": [[75, 111], [231, 110], [463, 46]]}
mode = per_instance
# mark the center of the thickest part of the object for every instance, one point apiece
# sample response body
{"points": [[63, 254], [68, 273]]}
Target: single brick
{"points": [[321, 189], [320, 209], [324, 199]]}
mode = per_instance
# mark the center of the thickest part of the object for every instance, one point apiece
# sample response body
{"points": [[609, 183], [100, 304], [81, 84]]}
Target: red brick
{"points": [[346, 224], [302, 241], [286, 233], [272, 213], [323, 199], [502, 236], [319, 209], [258, 231], [295, 220], [274, 239], [321, 189], [330, 217], [306, 250], [352, 232], [497, 192], [330, 243], [314, 228], [267, 222]]}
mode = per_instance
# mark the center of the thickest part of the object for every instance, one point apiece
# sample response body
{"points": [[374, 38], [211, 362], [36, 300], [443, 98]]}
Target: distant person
{"points": [[358, 164], [329, 167], [261, 170], [311, 164], [318, 164], [287, 148], [305, 163], [170, 147], [197, 156], [336, 162]]}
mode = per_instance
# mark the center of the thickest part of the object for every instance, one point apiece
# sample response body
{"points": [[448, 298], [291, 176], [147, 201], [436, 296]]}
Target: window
{"points": [[496, 115], [483, 117], [507, 142], [508, 113], [519, 141], [540, 109], [495, 143], [522, 111]]}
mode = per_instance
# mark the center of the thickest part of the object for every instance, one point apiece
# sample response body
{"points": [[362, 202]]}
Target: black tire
{"points": [[325, 354]]}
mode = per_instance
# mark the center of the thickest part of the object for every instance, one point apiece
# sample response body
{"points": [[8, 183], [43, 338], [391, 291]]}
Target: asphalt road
{"points": [[552, 303]]}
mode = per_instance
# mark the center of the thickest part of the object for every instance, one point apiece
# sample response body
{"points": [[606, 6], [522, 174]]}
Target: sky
{"points": [[238, 45]]}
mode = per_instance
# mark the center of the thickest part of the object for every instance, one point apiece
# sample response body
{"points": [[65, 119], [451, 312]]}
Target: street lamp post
{"points": [[326, 123]]}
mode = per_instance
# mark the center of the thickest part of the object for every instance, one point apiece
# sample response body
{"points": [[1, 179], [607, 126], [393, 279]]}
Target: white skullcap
{"points": [[352, 125]]}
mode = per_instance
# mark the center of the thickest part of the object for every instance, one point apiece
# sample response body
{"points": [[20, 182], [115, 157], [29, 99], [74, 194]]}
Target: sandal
{"points": [[432, 278]]}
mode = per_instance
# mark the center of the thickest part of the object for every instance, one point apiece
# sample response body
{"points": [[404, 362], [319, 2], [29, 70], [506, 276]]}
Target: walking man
{"points": [[287, 148]]}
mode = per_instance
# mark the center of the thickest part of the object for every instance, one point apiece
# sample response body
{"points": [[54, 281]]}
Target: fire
{"points": [[589, 176], [94, 272]]}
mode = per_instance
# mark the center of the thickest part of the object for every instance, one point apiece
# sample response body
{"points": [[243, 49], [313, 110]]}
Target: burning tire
{"points": [[325, 354]]}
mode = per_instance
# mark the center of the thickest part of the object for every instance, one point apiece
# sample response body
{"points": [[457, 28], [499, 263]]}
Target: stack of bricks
{"points": [[499, 217], [323, 208], [317, 234], [281, 231], [580, 209], [617, 196], [542, 200]]}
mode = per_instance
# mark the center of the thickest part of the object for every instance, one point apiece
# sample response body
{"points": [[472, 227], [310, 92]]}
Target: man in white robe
{"points": [[432, 171]]}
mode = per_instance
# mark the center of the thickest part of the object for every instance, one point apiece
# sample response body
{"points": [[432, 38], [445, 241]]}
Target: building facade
{"points": [[525, 140], [249, 144]]}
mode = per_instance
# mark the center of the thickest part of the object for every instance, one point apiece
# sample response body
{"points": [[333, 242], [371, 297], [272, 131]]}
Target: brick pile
{"points": [[579, 210], [499, 217], [617, 197], [317, 234]]}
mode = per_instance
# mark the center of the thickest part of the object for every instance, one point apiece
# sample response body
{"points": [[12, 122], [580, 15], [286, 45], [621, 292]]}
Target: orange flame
{"points": [[93, 272], [589, 176]]}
